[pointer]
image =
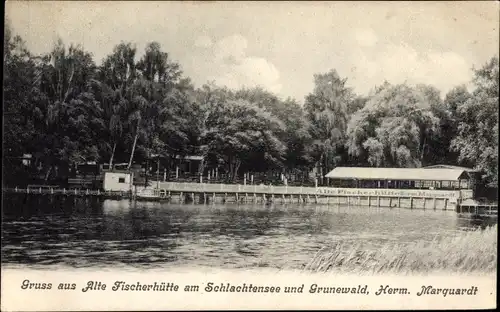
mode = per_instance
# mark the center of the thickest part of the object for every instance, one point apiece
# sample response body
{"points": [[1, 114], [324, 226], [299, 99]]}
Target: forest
{"points": [[64, 108]]}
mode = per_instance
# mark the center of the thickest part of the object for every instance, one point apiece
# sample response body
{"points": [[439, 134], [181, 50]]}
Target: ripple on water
{"points": [[229, 236]]}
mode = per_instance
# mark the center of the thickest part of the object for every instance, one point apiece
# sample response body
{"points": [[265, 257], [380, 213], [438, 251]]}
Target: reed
{"points": [[465, 252]]}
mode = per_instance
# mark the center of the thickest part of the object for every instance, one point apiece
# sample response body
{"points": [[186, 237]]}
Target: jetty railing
{"points": [[66, 191], [239, 188], [236, 188]]}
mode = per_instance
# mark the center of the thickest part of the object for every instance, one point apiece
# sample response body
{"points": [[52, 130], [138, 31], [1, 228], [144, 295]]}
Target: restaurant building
{"points": [[399, 187], [400, 178]]}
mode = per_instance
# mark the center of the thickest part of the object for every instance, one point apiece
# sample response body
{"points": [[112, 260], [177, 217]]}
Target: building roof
{"points": [[116, 172], [406, 174], [189, 157], [442, 166]]}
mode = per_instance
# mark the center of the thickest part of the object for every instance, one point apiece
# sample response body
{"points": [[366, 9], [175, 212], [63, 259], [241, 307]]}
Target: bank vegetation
{"points": [[63, 108], [466, 252]]}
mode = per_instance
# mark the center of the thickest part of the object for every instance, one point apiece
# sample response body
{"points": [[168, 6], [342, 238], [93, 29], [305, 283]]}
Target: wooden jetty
{"points": [[476, 208], [68, 192], [204, 193]]}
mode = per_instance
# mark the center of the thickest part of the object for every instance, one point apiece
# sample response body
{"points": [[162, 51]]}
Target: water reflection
{"points": [[91, 232]]}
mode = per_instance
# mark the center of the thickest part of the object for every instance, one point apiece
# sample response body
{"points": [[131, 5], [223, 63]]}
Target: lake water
{"points": [[42, 231]]}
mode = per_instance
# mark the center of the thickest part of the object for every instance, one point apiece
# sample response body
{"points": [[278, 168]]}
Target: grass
{"points": [[467, 252]]}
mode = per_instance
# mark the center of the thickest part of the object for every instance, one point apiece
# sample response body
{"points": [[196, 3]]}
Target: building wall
{"points": [[452, 195], [117, 181]]}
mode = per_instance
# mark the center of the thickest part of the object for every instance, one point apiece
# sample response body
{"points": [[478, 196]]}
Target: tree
{"points": [[393, 128], [118, 70], [327, 111], [116, 75], [210, 105], [158, 78], [455, 98], [19, 90], [296, 136], [477, 139], [238, 133], [294, 133], [64, 74], [437, 144]]}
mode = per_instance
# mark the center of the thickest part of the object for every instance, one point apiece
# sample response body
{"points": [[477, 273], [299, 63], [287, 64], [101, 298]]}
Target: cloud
{"points": [[399, 63], [235, 69], [203, 42], [231, 49], [365, 37]]}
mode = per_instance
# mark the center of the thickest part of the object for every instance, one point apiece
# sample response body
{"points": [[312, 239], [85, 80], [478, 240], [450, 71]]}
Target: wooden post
{"points": [[369, 201], [378, 201], [434, 203], [399, 202], [411, 202]]}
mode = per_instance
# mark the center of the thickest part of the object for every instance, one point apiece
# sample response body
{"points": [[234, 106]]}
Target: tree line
{"points": [[64, 108]]}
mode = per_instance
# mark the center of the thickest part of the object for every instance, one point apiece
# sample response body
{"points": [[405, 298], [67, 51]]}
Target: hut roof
{"points": [[406, 174]]}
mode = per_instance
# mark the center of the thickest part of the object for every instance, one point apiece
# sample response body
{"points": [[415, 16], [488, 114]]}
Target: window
{"points": [[121, 180]]}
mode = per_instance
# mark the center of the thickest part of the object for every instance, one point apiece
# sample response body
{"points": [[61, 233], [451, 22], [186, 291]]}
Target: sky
{"points": [[280, 45]]}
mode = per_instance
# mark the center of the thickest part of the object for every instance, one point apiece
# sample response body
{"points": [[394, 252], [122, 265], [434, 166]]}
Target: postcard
{"points": [[250, 155]]}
